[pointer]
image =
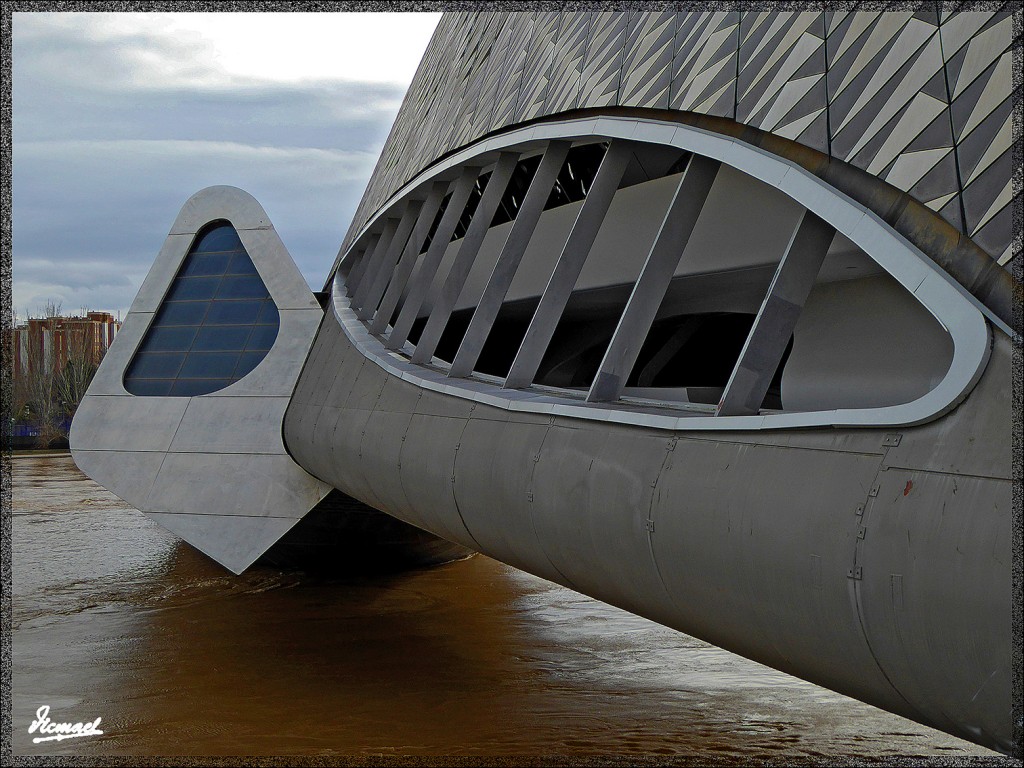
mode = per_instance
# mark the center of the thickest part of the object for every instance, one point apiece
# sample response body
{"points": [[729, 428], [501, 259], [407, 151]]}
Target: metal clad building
{"points": [[921, 100]]}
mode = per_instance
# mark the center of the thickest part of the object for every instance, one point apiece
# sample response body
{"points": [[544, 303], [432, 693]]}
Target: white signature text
{"points": [[60, 731]]}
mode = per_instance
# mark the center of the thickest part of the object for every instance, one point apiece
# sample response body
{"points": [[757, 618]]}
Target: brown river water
{"points": [[115, 618]]}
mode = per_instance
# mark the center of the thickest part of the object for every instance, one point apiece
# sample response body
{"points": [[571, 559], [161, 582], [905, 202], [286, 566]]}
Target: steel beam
{"points": [[508, 261], [356, 273], [382, 273], [412, 251], [773, 326], [463, 263], [569, 265], [432, 259], [652, 284], [358, 292]]}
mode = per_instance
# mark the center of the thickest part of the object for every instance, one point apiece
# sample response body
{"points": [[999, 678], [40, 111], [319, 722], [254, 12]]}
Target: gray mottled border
{"points": [[1017, 427], [6, 394], [6, 755]]}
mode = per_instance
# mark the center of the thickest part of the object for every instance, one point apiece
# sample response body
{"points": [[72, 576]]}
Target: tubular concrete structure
{"points": [[706, 315]]}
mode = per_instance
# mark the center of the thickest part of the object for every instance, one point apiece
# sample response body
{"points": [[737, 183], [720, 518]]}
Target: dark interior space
{"points": [[499, 351]]}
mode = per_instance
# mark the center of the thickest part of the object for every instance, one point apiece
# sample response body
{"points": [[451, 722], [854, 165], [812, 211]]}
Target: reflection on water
{"points": [[114, 618]]}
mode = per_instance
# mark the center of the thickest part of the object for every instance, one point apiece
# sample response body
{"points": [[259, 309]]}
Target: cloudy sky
{"points": [[119, 118]]}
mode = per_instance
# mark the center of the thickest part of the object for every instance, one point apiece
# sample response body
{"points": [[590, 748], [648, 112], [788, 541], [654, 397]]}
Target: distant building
{"points": [[49, 339]]}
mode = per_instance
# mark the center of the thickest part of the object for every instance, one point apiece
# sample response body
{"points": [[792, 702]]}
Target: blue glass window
{"points": [[241, 287], [247, 361], [157, 365], [262, 337], [200, 264], [188, 313], [219, 238], [193, 288], [241, 264], [234, 312], [169, 339], [224, 337], [152, 387], [268, 315], [190, 387], [216, 323], [209, 365]]}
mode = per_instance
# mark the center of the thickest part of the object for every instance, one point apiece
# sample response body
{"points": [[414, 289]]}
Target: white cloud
{"points": [[100, 208], [119, 118], [232, 49]]}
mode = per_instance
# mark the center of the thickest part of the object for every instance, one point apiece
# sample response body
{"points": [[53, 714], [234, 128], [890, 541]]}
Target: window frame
{"points": [[956, 310]]}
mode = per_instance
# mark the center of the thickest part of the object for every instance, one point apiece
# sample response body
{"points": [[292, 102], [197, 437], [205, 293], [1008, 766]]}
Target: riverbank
{"points": [[35, 453]]}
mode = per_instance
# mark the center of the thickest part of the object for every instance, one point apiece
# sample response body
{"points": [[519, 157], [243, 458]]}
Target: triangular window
{"points": [[216, 323]]}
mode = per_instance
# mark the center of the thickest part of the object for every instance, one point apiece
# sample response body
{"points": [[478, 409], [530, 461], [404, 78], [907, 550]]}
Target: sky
{"points": [[120, 117]]}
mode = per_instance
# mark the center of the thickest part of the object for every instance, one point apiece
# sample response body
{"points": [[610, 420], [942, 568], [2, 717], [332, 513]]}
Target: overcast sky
{"points": [[119, 118]]}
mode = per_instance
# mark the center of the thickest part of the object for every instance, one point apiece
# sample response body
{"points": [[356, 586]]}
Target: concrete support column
{"points": [[652, 284], [463, 263], [359, 266], [569, 265], [511, 255], [766, 343], [412, 251], [438, 245], [372, 260], [383, 272]]}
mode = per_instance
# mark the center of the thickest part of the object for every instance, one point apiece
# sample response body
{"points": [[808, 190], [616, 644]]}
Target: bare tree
{"points": [[78, 369], [58, 360], [39, 381]]}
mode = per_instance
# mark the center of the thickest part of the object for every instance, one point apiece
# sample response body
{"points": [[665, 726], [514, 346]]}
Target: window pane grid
{"points": [[215, 325]]}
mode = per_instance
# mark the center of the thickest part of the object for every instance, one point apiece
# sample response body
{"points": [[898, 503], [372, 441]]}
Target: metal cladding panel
{"points": [[344, 377], [226, 537], [878, 90], [647, 60], [539, 58], [324, 427], [146, 431], [366, 389], [502, 524], [381, 448], [346, 470], [570, 46], [926, 543], [492, 496], [316, 392], [705, 63], [969, 441], [561, 515], [602, 65], [135, 471], [396, 395], [753, 541], [231, 425], [596, 530], [429, 453]]}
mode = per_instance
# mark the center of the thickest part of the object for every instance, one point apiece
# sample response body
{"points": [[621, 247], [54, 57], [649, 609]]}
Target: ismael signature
{"points": [[60, 731]]}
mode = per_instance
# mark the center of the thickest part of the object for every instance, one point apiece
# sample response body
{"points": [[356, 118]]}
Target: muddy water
{"points": [[114, 618]]}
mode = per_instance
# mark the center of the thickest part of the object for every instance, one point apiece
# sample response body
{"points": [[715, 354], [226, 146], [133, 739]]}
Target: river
{"points": [[115, 618]]}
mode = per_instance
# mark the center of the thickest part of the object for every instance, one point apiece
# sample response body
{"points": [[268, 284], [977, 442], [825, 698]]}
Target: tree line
{"points": [[47, 386]]}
